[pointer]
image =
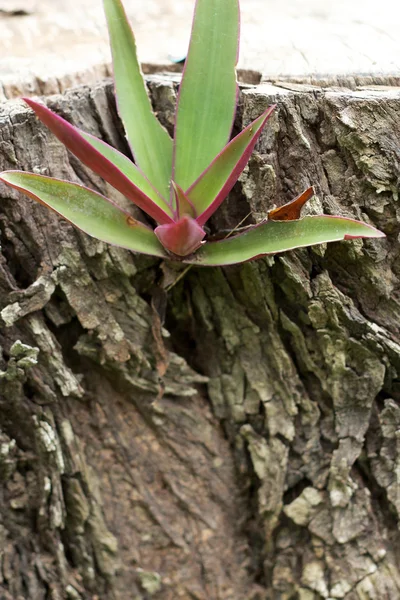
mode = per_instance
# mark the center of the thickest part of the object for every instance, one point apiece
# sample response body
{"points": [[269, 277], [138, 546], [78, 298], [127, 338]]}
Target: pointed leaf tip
{"points": [[273, 237]]}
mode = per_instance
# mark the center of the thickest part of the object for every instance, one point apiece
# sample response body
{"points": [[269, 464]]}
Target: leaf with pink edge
{"points": [[128, 168], [279, 236], [214, 184], [89, 211], [86, 151]]}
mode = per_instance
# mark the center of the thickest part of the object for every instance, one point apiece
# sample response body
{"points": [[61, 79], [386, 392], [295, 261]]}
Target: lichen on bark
{"points": [[235, 438]]}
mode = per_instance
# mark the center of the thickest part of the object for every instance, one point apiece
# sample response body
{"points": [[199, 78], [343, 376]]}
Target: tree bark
{"points": [[215, 434]]}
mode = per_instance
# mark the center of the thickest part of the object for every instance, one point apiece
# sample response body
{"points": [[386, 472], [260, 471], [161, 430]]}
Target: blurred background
{"points": [[306, 41]]}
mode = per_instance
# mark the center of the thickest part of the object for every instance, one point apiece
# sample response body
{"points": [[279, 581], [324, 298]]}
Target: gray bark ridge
{"points": [[254, 453]]}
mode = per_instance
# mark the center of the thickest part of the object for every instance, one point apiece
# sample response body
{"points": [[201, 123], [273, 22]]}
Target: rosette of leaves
{"points": [[178, 182]]}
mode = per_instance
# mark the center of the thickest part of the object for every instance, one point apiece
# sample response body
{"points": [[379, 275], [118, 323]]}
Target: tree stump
{"points": [[215, 434]]}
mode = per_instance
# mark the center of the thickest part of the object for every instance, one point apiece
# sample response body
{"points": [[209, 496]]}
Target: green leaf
{"points": [[214, 184], [129, 169], [88, 210], [208, 92], [150, 142], [278, 236]]}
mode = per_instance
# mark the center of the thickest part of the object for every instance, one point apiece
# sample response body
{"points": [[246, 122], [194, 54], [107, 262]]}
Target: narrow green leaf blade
{"points": [[89, 211], [128, 168], [208, 92], [278, 236], [214, 184], [151, 145]]}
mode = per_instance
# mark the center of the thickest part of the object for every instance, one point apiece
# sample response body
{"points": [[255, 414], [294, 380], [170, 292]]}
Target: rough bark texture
{"points": [[247, 450]]}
